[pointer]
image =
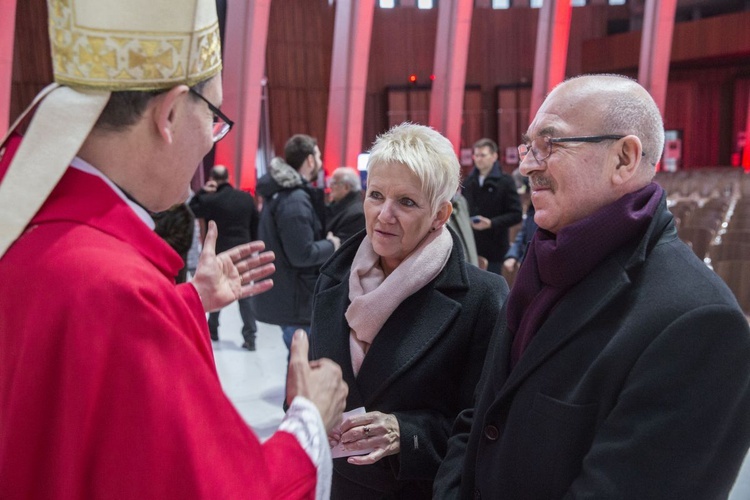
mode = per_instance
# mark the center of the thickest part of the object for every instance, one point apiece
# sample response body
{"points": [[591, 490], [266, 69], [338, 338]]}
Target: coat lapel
{"points": [[576, 309], [331, 334], [408, 334], [581, 304], [404, 339]]}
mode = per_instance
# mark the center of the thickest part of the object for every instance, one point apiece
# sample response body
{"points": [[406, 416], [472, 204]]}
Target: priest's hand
{"points": [[319, 381], [235, 274]]}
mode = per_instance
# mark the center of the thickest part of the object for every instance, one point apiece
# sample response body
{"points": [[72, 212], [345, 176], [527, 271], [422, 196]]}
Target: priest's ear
{"points": [[165, 111]]}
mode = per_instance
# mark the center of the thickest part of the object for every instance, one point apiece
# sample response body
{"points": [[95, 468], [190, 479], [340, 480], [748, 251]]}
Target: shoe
{"points": [[214, 335], [249, 345]]}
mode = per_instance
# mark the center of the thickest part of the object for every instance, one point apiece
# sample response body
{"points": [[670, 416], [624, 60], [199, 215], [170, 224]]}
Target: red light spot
{"points": [[432, 78], [412, 78]]}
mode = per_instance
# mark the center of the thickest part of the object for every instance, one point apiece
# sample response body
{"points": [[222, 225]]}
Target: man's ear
{"points": [[165, 111], [629, 155]]}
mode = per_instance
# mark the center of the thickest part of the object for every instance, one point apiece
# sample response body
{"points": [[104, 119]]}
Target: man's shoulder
{"points": [[673, 267], [293, 195], [112, 260]]}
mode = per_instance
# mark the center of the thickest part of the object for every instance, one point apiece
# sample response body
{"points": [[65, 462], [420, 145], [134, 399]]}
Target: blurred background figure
{"points": [[406, 318], [494, 204], [460, 222], [236, 217], [517, 251], [344, 214], [292, 225], [177, 227]]}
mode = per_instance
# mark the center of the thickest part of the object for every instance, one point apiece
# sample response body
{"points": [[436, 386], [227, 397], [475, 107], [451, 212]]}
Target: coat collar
{"points": [[86, 199], [351, 198], [586, 300], [495, 172], [415, 326]]}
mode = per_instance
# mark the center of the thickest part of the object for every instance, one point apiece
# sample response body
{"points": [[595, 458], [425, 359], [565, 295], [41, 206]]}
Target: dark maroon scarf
{"points": [[554, 263]]}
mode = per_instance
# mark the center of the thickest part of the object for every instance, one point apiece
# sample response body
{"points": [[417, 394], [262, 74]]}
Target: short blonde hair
{"points": [[425, 152]]}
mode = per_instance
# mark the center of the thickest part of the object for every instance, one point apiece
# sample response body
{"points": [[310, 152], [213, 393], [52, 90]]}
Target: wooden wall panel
{"points": [[513, 120], [705, 104], [585, 24], [473, 118], [398, 107], [412, 104], [710, 110], [740, 96], [403, 43], [32, 66], [298, 66], [680, 113], [419, 106], [716, 37]]}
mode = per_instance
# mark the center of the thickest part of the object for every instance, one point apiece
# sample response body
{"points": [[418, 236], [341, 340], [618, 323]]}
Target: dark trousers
{"points": [[248, 320]]}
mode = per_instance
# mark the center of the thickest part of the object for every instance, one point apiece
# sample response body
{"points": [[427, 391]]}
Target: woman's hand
{"points": [[371, 430]]}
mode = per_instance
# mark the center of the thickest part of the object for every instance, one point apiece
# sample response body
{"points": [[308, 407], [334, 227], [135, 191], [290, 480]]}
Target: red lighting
{"points": [[412, 78], [432, 78]]}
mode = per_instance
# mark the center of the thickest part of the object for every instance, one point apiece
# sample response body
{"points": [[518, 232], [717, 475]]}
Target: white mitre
{"points": [[99, 47]]}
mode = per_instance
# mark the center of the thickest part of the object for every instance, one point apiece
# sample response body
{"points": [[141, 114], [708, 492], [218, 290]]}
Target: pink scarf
{"points": [[374, 296]]}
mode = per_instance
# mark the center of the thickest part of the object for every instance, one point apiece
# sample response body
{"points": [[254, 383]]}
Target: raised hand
{"points": [[237, 273]]}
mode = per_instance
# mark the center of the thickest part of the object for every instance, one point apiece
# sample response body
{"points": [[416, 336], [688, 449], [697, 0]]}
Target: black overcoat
{"points": [[636, 386], [422, 367]]}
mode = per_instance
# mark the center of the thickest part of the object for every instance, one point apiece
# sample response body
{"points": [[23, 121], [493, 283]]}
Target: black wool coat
{"points": [[346, 217], [291, 227], [496, 199], [233, 211], [422, 367], [637, 386]]}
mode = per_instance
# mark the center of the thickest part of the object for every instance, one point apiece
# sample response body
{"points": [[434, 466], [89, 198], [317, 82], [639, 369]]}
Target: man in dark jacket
{"points": [[515, 254], [291, 225], [345, 215], [237, 220], [494, 204], [624, 367]]}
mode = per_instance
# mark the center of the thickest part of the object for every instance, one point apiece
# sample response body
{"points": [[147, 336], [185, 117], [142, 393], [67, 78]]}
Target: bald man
{"points": [[624, 368], [345, 216]]}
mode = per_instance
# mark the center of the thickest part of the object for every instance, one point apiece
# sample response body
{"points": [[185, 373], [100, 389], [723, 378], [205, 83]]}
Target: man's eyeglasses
{"points": [[541, 147], [222, 124]]}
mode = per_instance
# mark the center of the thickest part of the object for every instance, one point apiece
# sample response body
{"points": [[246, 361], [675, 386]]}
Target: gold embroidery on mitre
{"points": [[177, 44], [114, 60], [179, 71], [97, 57], [59, 7], [152, 60]]}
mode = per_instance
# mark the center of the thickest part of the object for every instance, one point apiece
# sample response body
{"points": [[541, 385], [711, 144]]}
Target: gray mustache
{"points": [[540, 182]]}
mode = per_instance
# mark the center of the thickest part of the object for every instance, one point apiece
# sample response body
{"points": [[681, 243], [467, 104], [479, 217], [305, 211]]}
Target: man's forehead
{"points": [[543, 125], [561, 114]]}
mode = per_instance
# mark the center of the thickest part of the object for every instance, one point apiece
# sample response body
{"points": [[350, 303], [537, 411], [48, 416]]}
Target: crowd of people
{"points": [[617, 365]]}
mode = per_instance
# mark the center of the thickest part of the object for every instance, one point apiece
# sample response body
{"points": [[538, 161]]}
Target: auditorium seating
{"points": [[712, 213]]}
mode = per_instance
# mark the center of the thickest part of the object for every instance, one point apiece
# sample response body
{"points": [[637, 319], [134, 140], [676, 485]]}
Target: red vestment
{"points": [[108, 387]]}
